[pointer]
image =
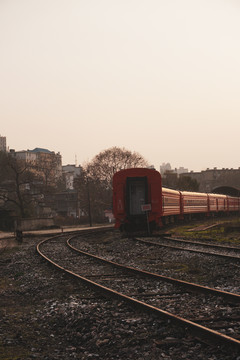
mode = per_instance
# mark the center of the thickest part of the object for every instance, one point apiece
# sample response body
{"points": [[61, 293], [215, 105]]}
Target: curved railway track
{"points": [[144, 290], [228, 252]]}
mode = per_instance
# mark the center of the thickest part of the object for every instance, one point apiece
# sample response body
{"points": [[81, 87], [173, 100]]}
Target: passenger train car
{"points": [[140, 201]]}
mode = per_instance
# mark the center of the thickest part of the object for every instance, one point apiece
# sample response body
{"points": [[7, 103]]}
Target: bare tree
{"points": [[183, 183], [93, 196], [187, 183], [47, 167], [94, 185], [109, 161], [15, 183]]}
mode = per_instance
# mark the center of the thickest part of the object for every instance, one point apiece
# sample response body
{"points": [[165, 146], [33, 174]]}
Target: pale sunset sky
{"points": [[160, 77]]}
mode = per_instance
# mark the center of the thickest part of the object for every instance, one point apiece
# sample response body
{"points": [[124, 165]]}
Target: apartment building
{"points": [[42, 161], [3, 143]]}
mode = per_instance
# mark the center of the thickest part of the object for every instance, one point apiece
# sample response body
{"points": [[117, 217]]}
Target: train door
{"points": [[136, 195]]}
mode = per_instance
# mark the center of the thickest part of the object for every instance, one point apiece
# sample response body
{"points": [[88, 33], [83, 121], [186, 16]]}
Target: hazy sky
{"points": [[160, 77]]}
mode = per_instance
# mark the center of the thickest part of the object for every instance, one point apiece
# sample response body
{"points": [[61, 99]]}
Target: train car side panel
{"points": [[221, 201], [171, 204], [194, 202], [212, 203], [233, 203]]}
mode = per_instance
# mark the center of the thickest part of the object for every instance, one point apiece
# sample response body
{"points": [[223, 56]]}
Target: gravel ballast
{"points": [[48, 315]]}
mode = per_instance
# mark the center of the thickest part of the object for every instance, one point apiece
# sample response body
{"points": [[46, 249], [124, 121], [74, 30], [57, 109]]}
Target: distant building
{"points": [[166, 168], [50, 159], [42, 161], [64, 203], [25, 155], [212, 179], [70, 172], [3, 143], [181, 170]]}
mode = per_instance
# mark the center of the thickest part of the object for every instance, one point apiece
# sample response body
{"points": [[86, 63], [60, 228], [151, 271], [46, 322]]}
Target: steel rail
{"points": [[217, 246], [196, 328], [192, 286], [187, 249]]}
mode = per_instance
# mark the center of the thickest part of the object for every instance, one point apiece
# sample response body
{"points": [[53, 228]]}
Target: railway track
{"points": [[228, 252], [165, 297]]}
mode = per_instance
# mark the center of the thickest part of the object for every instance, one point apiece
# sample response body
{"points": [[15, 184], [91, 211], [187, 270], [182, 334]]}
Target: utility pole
{"points": [[89, 205]]}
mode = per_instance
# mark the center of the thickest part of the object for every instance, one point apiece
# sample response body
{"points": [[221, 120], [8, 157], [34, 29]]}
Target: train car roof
{"points": [[136, 172], [217, 195], [137, 169], [192, 193], [170, 191]]}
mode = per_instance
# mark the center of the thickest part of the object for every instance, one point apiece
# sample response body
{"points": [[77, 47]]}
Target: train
{"points": [[140, 202]]}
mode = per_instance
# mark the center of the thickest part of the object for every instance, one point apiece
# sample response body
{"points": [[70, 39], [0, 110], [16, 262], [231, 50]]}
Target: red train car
{"points": [[194, 203], [232, 203], [171, 202], [217, 203], [140, 201], [135, 191]]}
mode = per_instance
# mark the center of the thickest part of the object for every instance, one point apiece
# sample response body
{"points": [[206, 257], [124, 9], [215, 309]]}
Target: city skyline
{"points": [[164, 166], [159, 78]]}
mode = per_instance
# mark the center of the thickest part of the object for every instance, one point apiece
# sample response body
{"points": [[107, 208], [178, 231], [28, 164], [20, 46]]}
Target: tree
{"points": [[186, 183], [15, 180], [47, 166], [94, 185], [93, 196], [109, 161], [170, 180]]}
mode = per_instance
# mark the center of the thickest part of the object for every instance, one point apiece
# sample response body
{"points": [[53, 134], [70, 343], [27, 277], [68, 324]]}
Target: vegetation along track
{"points": [[148, 292]]}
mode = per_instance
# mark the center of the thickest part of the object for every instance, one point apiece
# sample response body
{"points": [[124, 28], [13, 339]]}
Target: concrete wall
{"points": [[34, 224], [214, 178]]}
